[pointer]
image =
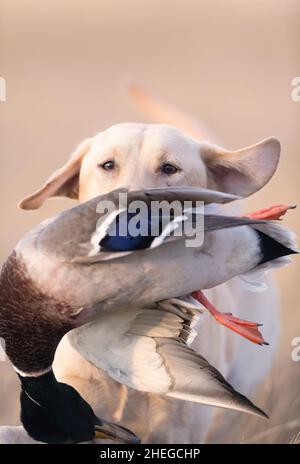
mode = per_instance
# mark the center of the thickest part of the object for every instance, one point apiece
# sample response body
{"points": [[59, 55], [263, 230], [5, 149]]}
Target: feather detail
{"points": [[150, 353]]}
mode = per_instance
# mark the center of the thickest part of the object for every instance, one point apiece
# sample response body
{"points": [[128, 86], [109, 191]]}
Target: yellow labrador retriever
{"points": [[139, 156]]}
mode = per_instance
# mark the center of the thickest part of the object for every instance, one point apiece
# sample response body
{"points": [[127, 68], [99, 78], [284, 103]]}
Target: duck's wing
{"points": [[106, 244], [147, 349], [68, 235], [75, 234], [67, 252]]}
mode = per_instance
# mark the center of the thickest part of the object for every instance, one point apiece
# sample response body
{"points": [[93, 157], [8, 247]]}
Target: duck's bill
{"points": [[109, 431]]}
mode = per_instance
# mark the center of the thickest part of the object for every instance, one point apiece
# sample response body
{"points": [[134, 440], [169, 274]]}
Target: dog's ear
{"points": [[63, 182], [241, 172]]}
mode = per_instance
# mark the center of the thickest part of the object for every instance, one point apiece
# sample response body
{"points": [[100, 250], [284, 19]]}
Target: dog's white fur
{"points": [[138, 151]]}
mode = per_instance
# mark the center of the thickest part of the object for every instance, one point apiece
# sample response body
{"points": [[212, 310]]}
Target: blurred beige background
{"points": [[228, 62]]}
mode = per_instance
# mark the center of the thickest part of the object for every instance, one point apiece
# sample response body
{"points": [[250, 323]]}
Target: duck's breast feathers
{"points": [[32, 321]]}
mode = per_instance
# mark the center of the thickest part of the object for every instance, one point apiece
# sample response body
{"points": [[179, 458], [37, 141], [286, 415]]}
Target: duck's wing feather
{"points": [[208, 196], [198, 221], [147, 349]]}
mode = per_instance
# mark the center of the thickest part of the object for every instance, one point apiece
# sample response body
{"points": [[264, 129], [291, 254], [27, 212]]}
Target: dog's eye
{"points": [[168, 169], [108, 165]]}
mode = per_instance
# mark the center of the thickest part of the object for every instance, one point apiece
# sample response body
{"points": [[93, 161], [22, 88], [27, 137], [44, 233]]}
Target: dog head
{"points": [[137, 156]]}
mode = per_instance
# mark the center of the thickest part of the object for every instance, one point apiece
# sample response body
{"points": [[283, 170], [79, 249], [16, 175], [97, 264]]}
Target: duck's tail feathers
{"points": [[277, 243], [279, 233]]}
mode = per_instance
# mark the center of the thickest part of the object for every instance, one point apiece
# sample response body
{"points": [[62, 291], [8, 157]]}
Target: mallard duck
{"points": [[72, 269]]}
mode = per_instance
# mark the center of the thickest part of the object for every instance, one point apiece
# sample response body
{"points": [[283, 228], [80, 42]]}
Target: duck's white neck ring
{"points": [[32, 374]]}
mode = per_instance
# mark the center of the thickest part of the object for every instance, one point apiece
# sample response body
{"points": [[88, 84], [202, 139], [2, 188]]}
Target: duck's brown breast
{"points": [[31, 321]]}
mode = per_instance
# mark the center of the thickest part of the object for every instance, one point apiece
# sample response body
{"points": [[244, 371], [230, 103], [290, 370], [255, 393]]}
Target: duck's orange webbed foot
{"points": [[273, 212], [244, 328]]}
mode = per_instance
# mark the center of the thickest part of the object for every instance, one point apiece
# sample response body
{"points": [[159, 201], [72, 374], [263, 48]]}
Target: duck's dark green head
{"points": [[54, 412]]}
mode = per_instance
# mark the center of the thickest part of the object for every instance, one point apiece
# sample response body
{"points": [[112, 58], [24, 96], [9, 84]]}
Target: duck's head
{"points": [[54, 412]]}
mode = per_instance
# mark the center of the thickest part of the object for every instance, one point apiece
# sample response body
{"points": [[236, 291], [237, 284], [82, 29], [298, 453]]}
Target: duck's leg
{"points": [[273, 212], [244, 328]]}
